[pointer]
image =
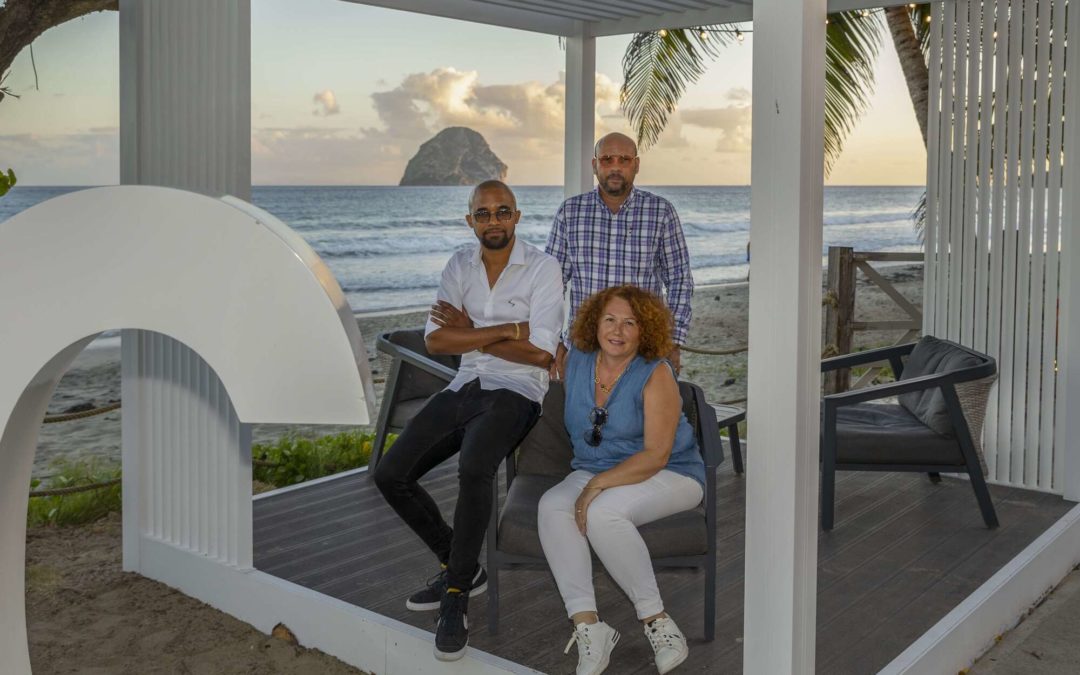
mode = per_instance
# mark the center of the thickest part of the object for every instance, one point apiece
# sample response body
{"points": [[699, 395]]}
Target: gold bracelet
{"points": [[517, 331]]}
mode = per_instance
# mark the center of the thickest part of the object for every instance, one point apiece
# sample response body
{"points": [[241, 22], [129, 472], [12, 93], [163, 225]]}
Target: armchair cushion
{"points": [[878, 433], [932, 356], [680, 534], [546, 450]]}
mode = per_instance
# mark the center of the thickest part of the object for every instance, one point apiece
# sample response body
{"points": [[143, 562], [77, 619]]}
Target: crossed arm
{"points": [[457, 335]]}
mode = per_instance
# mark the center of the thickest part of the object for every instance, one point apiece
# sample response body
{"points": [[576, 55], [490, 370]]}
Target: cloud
{"points": [[328, 104], [733, 122], [523, 122], [91, 157]]}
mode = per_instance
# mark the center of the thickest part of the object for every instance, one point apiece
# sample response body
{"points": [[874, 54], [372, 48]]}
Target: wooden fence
{"points": [[839, 301]]}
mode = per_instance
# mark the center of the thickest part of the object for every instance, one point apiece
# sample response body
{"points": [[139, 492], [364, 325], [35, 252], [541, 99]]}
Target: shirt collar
{"points": [[517, 254], [630, 198]]}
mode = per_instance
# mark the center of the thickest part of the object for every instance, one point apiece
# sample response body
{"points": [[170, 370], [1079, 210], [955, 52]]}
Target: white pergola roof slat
{"points": [[597, 18]]}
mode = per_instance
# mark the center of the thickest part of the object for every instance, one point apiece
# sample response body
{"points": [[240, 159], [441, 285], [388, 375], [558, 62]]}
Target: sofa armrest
{"points": [[420, 361]]}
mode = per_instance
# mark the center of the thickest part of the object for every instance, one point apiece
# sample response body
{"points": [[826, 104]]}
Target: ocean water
{"points": [[387, 245]]}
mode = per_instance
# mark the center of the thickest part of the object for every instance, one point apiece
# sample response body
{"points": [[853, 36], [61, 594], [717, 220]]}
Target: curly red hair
{"points": [[652, 314]]}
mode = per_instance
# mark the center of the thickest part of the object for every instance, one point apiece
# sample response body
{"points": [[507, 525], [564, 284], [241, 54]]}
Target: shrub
{"points": [[79, 507], [295, 459]]}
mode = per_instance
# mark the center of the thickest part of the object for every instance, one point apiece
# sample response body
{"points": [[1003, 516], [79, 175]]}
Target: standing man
{"points": [[618, 234], [500, 305]]}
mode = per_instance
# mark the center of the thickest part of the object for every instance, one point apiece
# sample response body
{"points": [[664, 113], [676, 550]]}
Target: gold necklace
{"points": [[606, 388]]}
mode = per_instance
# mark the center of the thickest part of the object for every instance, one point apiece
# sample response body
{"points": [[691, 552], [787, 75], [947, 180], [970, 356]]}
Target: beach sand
{"points": [[87, 616]]}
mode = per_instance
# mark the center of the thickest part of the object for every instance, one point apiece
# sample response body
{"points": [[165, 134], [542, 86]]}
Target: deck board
{"points": [[902, 554]]}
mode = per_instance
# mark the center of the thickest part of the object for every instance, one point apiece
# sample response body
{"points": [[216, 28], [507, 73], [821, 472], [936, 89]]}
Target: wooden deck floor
{"points": [[903, 553]]}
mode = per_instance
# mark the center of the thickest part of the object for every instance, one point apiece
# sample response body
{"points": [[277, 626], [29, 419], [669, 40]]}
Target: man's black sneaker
{"points": [[452, 628], [430, 597]]}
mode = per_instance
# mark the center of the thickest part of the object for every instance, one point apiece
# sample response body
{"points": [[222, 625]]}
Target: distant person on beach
{"points": [[636, 460], [619, 234], [499, 305]]}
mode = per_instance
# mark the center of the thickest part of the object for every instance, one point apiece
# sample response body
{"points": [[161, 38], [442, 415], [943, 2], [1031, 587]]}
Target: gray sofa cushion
{"points": [[547, 451], [878, 433], [932, 356], [405, 411], [681, 534]]}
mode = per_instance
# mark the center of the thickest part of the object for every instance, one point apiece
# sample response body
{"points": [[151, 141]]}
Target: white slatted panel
{"points": [[995, 214], [185, 122]]}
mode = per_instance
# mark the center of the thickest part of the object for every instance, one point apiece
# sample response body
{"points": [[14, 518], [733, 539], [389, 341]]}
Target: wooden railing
{"points": [[839, 301]]}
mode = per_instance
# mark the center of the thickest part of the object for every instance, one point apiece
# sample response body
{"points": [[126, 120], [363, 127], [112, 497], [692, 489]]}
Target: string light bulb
{"points": [[663, 32], [704, 35], [739, 35]]}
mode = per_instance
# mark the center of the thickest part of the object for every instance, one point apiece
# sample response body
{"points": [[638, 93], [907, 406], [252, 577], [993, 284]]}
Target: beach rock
{"points": [[454, 156]]}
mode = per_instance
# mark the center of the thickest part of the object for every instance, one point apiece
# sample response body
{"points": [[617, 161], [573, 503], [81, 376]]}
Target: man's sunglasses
{"points": [[621, 160], [597, 418], [483, 216]]}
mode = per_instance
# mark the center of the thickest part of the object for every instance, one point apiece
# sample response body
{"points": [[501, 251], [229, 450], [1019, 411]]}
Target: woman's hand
{"points": [[581, 507]]}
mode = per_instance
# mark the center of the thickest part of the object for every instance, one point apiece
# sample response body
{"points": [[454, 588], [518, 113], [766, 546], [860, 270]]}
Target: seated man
{"points": [[500, 307]]}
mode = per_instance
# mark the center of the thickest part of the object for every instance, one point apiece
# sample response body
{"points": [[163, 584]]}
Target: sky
{"points": [[345, 94]]}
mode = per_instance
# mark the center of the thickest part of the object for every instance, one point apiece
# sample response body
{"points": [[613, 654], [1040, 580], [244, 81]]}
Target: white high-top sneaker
{"points": [[668, 644], [594, 644]]}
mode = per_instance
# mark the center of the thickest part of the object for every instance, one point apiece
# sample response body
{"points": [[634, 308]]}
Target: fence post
{"points": [[839, 314]]}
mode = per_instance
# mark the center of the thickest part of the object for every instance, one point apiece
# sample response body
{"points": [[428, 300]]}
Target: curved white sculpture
{"points": [[228, 280]]}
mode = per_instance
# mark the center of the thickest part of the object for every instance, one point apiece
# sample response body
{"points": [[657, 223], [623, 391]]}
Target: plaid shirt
{"points": [[642, 245]]}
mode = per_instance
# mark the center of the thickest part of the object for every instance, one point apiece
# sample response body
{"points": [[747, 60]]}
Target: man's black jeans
{"points": [[485, 426]]}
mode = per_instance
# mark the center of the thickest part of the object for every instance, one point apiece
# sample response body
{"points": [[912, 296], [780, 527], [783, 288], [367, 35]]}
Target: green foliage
{"points": [[80, 507], [659, 65], [7, 181], [295, 459]]}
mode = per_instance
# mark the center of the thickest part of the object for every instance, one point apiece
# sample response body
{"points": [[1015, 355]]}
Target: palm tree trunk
{"points": [[912, 63]]}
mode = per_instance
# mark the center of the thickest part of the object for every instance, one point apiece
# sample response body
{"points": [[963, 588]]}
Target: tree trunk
{"points": [[22, 21], [912, 62]]}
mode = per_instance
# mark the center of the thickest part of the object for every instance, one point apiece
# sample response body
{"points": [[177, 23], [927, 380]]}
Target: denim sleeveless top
{"points": [[624, 432]]}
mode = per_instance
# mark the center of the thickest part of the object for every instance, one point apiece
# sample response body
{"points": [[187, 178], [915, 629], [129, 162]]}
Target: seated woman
{"points": [[636, 460]]}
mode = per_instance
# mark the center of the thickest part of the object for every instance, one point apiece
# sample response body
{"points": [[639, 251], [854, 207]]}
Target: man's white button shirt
{"points": [[529, 289]]}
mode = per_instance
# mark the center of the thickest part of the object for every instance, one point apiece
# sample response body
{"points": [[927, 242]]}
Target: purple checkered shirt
{"points": [[642, 245]]}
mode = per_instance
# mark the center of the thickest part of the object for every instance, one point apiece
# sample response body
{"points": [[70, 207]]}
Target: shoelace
{"points": [[582, 638], [438, 580], [658, 638], [455, 609]]}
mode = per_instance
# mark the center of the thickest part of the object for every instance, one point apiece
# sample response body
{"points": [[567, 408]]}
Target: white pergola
{"points": [[185, 122]]}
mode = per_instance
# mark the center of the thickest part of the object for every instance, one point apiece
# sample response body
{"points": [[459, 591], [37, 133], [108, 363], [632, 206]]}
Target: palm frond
{"points": [[658, 66], [852, 40]]}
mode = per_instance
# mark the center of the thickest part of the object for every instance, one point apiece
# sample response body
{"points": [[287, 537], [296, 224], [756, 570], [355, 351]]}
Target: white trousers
{"points": [[612, 523]]}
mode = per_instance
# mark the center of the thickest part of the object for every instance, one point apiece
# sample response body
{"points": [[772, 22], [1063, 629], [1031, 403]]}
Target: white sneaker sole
{"points": [[451, 656], [672, 666], [429, 606]]}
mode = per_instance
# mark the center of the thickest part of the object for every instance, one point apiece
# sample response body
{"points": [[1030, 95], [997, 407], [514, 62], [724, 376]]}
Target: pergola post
{"points": [[785, 336], [1068, 395], [185, 122], [580, 113]]}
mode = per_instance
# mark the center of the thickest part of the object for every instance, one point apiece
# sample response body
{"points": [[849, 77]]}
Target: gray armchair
{"points": [[414, 377], [686, 539], [934, 428]]}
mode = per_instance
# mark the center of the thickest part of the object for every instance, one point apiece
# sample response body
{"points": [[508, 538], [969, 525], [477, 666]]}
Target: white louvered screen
{"points": [[994, 214]]}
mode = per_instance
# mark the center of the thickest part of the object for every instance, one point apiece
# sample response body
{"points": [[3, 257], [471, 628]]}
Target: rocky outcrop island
{"points": [[454, 156]]}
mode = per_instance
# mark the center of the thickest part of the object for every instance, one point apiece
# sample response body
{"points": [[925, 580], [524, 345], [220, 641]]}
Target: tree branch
{"points": [[22, 21]]}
